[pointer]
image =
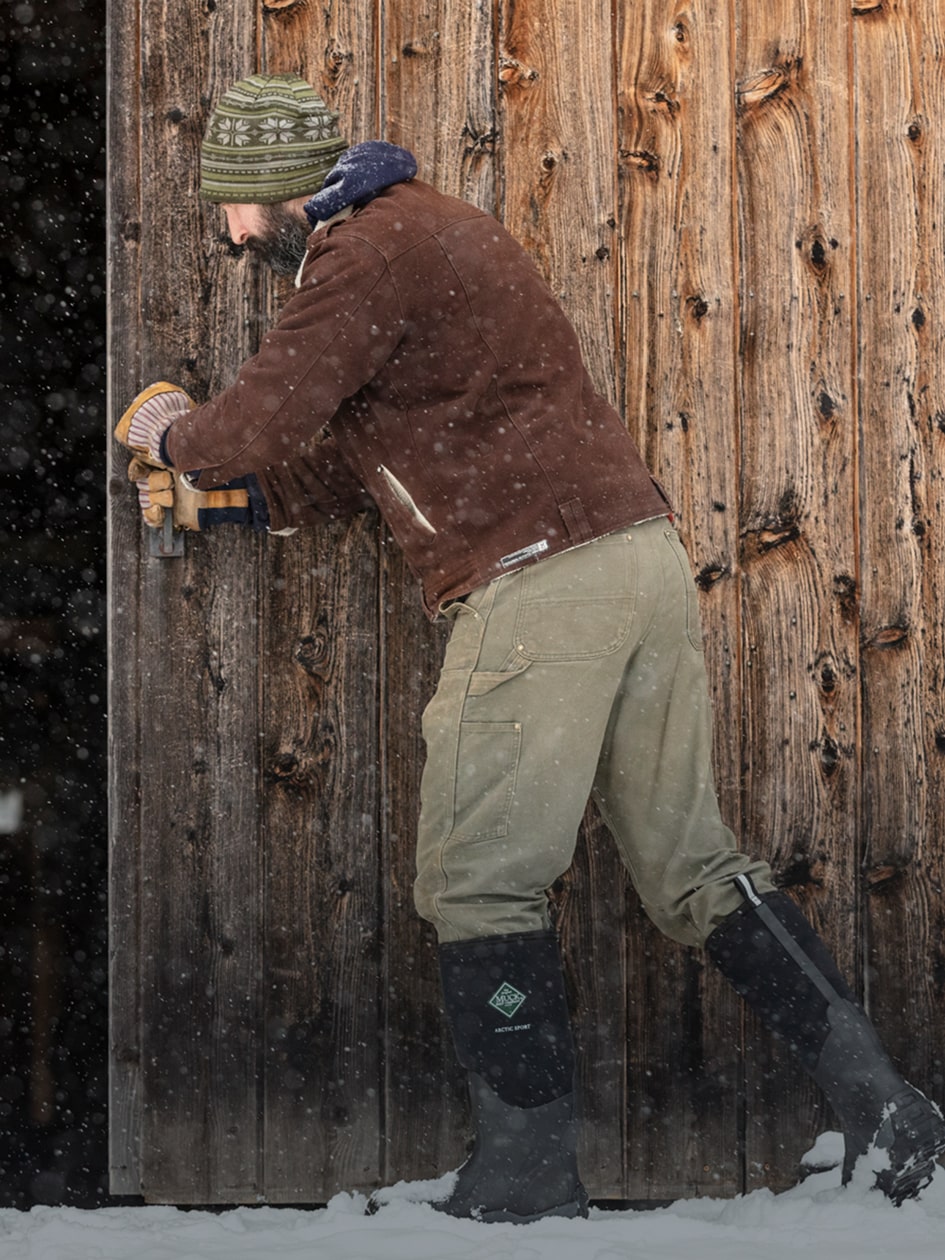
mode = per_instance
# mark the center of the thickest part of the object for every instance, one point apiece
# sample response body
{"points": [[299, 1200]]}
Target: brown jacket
{"points": [[424, 365]]}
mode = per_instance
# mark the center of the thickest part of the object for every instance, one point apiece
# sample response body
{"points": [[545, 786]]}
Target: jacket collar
{"points": [[358, 176]]}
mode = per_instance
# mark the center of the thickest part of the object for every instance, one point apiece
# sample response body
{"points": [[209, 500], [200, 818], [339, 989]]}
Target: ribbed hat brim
{"points": [[260, 176]]}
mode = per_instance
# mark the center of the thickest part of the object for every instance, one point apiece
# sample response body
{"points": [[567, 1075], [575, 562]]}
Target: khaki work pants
{"points": [[582, 675]]}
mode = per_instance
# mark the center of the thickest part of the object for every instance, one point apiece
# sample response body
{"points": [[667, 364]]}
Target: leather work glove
{"points": [[162, 490], [148, 418]]}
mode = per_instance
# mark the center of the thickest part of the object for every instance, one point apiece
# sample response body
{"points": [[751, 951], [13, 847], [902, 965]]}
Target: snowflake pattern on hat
{"points": [[233, 131], [275, 129]]}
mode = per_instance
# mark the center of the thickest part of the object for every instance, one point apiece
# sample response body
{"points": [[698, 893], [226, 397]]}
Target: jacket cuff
{"points": [[258, 506], [163, 453]]}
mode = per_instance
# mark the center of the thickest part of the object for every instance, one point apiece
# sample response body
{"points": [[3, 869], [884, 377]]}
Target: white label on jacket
{"points": [[526, 553], [403, 496]]}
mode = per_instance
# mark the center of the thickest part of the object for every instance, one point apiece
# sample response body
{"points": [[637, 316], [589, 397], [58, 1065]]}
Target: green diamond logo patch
{"points": [[507, 1000]]}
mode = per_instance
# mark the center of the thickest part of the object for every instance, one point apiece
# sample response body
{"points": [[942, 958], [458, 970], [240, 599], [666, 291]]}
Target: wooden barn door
{"points": [[738, 204]]}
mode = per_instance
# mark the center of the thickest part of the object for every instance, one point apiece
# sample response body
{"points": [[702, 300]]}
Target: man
{"points": [[423, 366]]}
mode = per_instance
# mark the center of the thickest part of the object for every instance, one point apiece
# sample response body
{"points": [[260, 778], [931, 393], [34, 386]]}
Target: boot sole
{"points": [[577, 1208], [909, 1182], [567, 1211]]}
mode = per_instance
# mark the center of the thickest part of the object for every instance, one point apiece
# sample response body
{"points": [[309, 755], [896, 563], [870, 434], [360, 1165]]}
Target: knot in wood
{"points": [[829, 751], [286, 770], [643, 160], [312, 652], [890, 637], [776, 534], [803, 870], [829, 675], [883, 877], [711, 573], [697, 307], [765, 86], [336, 58], [417, 48], [847, 596], [815, 244], [826, 406], [513, 73], [664, 101]]}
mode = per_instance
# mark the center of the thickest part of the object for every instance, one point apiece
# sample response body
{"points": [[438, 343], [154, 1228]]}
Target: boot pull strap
{"points": [[784, 938]]}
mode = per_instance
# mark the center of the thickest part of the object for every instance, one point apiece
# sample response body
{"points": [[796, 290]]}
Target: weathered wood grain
{"points": [[199, 872], [556, 167], [798, 502], [677, 310], [439, 93], [900, 95], [124, 578], [319, 784], [740, 207]]}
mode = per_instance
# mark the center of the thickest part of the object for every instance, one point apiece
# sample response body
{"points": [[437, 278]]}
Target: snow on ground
{"points": [[816, 1220]]}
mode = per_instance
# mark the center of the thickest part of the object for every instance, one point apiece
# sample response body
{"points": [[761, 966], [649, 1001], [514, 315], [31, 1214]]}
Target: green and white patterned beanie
{"points": [[271, 138]]}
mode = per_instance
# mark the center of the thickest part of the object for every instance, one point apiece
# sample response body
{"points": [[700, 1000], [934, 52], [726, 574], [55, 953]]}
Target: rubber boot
{"points": [[507, 1009], [776, 961]]}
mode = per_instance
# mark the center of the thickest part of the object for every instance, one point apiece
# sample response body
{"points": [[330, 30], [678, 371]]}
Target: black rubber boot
{"points": [[507, 1009], [776, 961]]}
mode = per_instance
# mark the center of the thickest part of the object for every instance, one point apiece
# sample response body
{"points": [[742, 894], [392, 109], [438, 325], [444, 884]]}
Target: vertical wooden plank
{"points": [[556, 169], [900, 111], [557, 196], [437, 84], [321, 980], [798, 506], [439, 92], [124, 579], [198, 647], [322, 1016], [677, 322]]}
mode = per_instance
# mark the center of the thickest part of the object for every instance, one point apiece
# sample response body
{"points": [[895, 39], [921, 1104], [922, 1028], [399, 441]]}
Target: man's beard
{"points": [[282, 240]]}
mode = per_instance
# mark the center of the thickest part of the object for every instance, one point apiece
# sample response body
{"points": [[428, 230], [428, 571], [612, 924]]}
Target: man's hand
{"points": [[161, 490], [149, 417]]}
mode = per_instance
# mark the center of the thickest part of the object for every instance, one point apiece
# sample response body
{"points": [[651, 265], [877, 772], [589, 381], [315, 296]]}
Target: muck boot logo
{"points": [[507, 1000]]}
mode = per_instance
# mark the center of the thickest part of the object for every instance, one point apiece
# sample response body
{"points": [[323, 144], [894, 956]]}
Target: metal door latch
{"points": [[167, 541]]}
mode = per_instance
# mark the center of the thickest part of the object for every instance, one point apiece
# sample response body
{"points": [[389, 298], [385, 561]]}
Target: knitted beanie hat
{"points": [[271, 138]]}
